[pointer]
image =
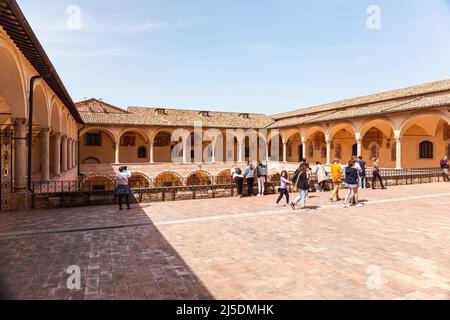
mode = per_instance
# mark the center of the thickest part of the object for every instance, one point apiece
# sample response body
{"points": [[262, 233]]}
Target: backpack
{"points": [[262, 170]]}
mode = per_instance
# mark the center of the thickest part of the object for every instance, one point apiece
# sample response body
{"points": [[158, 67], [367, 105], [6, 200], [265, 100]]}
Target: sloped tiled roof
{"points": [[409, 92], [381, 108], [425, 96], [97, 112]]}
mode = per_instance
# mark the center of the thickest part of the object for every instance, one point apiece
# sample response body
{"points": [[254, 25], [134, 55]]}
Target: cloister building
{"points": [[46, 137]]}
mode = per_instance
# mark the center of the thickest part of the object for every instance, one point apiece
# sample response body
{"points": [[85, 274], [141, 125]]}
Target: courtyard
{"points": [[396, 247]]}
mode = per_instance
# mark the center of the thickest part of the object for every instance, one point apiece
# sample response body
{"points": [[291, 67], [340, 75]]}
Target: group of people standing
{"points": [[250, 174]]}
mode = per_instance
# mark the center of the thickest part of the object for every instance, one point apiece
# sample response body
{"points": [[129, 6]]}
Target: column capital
{"points": [[398, 139], [359, 140], [19, 121], [328, 141]]}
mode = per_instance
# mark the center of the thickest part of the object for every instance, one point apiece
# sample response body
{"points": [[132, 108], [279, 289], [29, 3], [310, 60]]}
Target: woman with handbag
{"points": [[302, 182], [283, 190], [123, 190]]}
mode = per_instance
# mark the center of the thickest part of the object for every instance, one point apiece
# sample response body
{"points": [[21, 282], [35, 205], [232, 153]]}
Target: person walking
{"points": [[321, 175], [302, 182], [261, 175], [249, 174], [283, 190], [445, 168], [377, 174], [362, 173], [336, 176], [123, 190], [351, 179], [238, 178]]}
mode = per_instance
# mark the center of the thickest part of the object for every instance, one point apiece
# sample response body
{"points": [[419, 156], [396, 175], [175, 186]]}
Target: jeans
{"points": [[320, 186], [376, 175], [250, 186], [283, 192], [302, 194], [261, 185], [362, 182], [239, 185], [123, 192]]}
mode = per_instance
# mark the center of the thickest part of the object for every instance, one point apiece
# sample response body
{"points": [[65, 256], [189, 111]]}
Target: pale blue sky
{"points": [[235, 55]]}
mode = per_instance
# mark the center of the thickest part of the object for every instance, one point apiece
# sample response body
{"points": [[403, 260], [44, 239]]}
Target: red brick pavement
{"points": [[235, 249]]}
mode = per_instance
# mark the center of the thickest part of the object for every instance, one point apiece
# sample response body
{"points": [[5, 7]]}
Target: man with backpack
{"points": [[261, 175], [238, 178]]}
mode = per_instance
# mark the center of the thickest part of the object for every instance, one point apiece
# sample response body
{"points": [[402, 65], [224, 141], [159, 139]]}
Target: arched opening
{"points": [[167, 180], [343, 134], [40, 122], [315, 140], [274, 176], [98, 183], [199, 178], [162, 147], [130, 142], [91, 160], [142, 153], [294, 148], [55, 123], [276, 148], [98, 144], [139, 181], [377, 141], [224, 178]]}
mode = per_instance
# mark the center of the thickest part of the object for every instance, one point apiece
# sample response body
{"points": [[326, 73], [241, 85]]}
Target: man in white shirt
{"points": [[123, 190]]}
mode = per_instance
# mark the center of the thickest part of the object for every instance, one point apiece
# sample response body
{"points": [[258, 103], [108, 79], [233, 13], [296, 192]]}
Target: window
{"points": [[142, 153], [394, 153], [94, 139], [426, 150]]}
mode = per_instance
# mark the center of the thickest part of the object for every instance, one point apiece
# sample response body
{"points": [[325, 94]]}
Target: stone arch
{"points": [[98, 183], [139, 180], [41, 115], [12, 84], [168, 179], [131, 139], [199, 178], [101, 147], [383, 124], [224, 178], [91, 160], [162, 146], [55, 117], [429, 121]]}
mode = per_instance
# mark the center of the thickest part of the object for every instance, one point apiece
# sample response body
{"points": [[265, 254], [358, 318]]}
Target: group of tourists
{"points": [[250, 174], [353, 174]]}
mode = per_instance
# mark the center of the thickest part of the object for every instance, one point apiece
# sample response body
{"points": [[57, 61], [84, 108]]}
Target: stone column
{"points": [[69, 154], [116, 147], [305, 152], [241, 151], [64, 154], [359, 143], [284, 151], [20, 154], [186, 148], [152, 150], [398, 141], [213, 151], [45, 155], [57, 154], [328, 142]]}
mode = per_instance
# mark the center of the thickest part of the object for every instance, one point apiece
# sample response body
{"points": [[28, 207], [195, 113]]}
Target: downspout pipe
{"points": [[78, 150], [30, 127]]}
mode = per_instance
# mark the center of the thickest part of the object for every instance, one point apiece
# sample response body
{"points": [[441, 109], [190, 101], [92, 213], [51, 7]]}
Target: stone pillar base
{"points": [[20, 201]]}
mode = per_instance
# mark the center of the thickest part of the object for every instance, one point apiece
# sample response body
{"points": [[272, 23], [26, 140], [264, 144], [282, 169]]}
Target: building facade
{"points": [[45, 137]]}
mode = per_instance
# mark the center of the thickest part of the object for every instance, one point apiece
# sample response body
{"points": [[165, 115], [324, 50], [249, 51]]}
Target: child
{"points": [[283, 190]]}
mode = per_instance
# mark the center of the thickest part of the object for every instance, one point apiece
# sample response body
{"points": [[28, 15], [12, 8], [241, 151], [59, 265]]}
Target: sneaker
{"points": [[359, 205], [292, 206]]}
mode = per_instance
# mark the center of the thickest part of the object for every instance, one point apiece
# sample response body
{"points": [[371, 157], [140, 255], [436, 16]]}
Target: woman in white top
{"points": [[321, 174]]}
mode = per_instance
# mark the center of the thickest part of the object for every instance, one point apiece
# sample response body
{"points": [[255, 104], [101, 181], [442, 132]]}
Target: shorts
{"points": [[352, 186]]}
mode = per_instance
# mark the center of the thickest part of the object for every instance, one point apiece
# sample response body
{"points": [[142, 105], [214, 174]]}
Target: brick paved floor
{"points": [[396, 247]]}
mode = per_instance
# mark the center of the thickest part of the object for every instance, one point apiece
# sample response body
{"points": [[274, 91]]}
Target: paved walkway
{"points": [[396, 247]]}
